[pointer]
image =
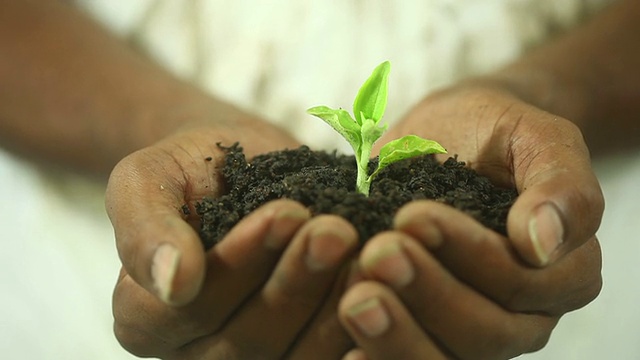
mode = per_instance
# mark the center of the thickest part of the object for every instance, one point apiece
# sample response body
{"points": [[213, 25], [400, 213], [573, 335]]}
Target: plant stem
{"points": [[363, 181]]}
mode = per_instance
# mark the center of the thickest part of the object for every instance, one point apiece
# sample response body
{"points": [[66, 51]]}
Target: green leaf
{"points": [[371, 101], [407, 147], [371, 132], [341, 121], [364, 131]]}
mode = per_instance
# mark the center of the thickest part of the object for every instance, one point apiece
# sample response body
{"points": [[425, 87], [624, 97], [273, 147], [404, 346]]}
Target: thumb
{"points": [[157, 246], [560, 204]]}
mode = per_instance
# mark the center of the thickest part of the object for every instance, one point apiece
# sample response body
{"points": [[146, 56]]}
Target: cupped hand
{"points": [[276, 275], [271, 289], [444, 286], [518, 145], [148, 190]]}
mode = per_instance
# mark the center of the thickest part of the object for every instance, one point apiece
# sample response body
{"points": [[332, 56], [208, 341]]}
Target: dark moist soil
{"points": [[325, 183]]}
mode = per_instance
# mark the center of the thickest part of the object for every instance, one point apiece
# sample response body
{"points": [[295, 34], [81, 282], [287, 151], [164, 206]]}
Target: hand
{"points": [[147, 190], [271, 288], [276, 275], [451, 288], [514, 144]]}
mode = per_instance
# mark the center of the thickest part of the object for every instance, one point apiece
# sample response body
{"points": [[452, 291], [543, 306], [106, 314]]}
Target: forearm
{"points": [[73, 94], [589, 76]]}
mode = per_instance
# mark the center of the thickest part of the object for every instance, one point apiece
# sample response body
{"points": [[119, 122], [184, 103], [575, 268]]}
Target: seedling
{"points": [[363, 131]]}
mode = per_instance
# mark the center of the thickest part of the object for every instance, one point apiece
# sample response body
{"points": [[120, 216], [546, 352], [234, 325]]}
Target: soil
{"points": [[325, 183]]}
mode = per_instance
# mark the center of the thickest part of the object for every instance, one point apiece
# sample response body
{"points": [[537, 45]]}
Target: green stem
{"points": [[363, 181]]}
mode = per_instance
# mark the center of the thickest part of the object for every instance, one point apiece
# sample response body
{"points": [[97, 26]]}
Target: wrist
{"points": [[185, 108]]}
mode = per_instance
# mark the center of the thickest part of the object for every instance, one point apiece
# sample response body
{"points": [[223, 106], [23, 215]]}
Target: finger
{"points": [[325, 331], [356, 354], [466, 323], [560, 204], [485, 260], [158, 248], [382, 327], [270, 321], [243, 261], [132, 305], [237, 267]]}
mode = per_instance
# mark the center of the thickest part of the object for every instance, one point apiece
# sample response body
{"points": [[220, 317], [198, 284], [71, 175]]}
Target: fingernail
{"points": [[163, 269], [391, 265], [283, 226], [370, 317], [355, 354], [326, 247], [546, 231]]}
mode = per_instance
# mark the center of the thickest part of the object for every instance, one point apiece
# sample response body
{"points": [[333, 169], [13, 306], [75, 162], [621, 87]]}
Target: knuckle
{"points": [[135, 341], [538, 342], [539, 335], [505, 341], [592, 291], [508, 341], [128, 326], [519, 292], [589, 282], [567, 128], [589, 197]]}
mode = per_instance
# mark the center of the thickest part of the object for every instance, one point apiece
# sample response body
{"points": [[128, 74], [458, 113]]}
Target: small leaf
{"points": [[407, 147], [341, 121], [370, 132], [371, 101]]}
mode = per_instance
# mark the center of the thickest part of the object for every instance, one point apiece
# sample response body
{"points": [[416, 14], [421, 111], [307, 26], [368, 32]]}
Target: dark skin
{"points": [[110, 105], [97, 96]]}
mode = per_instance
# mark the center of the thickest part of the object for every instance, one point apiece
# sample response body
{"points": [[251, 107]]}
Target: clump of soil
{"points": [[325, 183]]}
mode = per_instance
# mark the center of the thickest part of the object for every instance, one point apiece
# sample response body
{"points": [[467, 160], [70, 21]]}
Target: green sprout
{"points": [[363, 131]]}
